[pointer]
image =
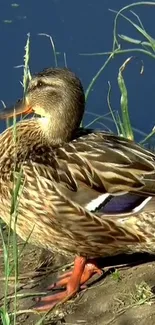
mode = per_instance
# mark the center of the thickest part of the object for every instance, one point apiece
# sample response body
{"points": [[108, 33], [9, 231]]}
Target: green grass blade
{"points": [[6, 269], [148, 137], [4, 316], [94, 79], [26, 75], [140, 30], [111, 111], [133, 40], [138, 19], [53, 47], [120, 125], [96, 119], [119, 13], [124, 102]]}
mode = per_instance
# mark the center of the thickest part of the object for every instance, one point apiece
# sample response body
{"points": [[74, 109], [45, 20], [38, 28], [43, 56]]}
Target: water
{"points": [[77, 27]]}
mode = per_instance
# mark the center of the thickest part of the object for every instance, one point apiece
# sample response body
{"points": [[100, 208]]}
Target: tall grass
{"points": [[10, 248], [121, 120], [145, 45]]}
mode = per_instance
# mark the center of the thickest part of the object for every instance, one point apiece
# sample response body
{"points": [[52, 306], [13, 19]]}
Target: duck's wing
{"points": [[108, 163], [93, 168]]}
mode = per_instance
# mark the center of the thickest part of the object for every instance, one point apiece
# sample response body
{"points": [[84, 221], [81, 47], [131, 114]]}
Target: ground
{"points": [[124, 295]]}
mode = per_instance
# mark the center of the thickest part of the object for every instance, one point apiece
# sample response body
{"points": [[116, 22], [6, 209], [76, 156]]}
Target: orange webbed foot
{"points": [[73, 281]]}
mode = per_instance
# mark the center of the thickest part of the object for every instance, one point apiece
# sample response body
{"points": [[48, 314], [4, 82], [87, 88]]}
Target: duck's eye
{"points": [[39, 84], [32, 86]]}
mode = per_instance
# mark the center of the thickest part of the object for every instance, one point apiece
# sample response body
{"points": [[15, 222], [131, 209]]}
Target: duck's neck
{"points": [[54, 133]]}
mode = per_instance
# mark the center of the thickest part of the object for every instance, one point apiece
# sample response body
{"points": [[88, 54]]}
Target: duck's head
{"points": [[57, 96]]}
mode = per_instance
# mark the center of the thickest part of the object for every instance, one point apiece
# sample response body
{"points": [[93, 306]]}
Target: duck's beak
{"points": [[21, 107]]}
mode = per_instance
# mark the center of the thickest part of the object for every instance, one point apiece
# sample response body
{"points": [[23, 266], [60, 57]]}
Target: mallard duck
{"points": [[83, 193]]}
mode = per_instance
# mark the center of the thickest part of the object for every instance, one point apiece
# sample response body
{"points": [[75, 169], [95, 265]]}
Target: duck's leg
{"points": [[82, 272], [89, 270]]}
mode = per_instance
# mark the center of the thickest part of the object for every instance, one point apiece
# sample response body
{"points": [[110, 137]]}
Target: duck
{"points": [[79, 192]]}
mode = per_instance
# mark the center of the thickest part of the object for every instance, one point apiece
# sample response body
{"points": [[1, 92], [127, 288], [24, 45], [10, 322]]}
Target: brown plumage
{"points": [[83, 192]]}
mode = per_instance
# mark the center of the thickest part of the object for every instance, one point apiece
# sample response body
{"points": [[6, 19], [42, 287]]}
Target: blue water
{"points": [[82, 26]]}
